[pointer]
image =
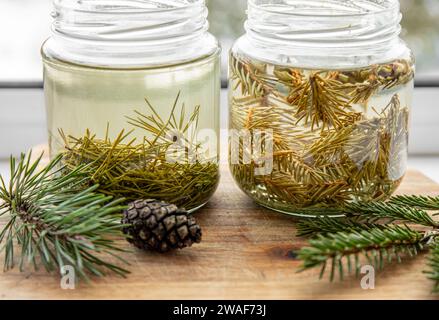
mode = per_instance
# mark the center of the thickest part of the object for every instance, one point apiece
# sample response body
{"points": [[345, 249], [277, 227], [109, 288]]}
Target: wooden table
{"points": [[246, 253]]}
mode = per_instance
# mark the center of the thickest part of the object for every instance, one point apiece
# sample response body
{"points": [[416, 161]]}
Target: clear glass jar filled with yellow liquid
{"points": [[320, 94], [132, 88]]}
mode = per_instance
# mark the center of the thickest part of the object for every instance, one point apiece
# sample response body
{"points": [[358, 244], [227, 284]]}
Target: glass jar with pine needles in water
{"points": [[320, 93], [132, 90]]}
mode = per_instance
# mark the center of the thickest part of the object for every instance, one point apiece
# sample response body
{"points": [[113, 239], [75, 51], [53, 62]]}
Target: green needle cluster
{"points": [[53, 221], [373, 232]]}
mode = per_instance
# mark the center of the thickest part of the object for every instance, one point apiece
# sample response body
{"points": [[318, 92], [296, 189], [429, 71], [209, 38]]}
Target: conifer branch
{"points": [[421, 202], [433, 264], [320, 102], [52, 220], [377, 245], [326, 225], [341, 242], [383, 210]]}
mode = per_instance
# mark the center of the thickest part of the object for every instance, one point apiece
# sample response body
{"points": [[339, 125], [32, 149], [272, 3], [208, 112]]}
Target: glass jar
{"points": [[132, 88], [320, 93]]}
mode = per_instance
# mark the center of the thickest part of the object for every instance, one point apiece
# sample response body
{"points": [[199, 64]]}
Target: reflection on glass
{"points": [[420, 29]]}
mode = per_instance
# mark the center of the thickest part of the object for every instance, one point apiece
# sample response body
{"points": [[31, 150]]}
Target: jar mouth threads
{"points": [[135, 33], [132, 6], [344, 33], [322, 24], [332, 8]]}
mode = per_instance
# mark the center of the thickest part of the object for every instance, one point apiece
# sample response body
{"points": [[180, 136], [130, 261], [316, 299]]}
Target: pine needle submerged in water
{"points": [[330, 145], [126, 168]]}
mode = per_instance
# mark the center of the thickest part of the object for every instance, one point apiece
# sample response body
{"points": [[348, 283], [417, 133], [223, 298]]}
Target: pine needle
{"points": [[320, 102], [382, 210], [378, 245], [330, 145], [367, 231], [146, 169], [420, 202], [326, 225], [433, 264], [53, 220]]}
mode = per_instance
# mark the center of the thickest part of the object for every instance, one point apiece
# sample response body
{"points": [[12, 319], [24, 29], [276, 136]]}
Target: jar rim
{"points": [[150, 6], [130, 33], [275, 6], [323, 23], [290, 30]]}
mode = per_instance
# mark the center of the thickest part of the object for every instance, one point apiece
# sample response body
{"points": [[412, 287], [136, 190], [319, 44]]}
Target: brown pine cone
{"points": [[159, 226]]}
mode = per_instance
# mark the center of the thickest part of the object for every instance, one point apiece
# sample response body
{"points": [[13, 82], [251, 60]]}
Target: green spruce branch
{"points": [[51, 220], [368, 231], [374, 211], [326, 225], [421, 202], [377, 245], [433, 264]]}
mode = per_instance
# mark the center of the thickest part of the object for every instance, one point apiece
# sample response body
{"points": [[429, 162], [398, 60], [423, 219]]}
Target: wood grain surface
{"points": [[247, 253]]}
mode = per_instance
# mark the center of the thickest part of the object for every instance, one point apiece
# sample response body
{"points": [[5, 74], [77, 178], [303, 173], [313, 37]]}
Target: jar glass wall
{"points": [[320, 94], [133, 88]]}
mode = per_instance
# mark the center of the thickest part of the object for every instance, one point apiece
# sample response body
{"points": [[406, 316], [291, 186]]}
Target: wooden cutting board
{"points": [[246, 253]]}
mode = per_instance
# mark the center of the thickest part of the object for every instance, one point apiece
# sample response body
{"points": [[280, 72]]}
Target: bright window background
{"points": [[24, 25]]}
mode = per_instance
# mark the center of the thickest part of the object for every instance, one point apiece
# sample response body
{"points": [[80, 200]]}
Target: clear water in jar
{"points": [[337, 136], [127, 119]]}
